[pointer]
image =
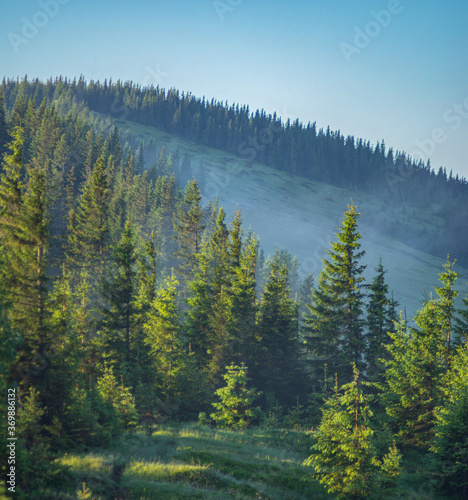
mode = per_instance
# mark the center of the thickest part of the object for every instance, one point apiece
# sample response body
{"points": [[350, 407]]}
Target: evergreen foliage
{"points": [[334, 324], [235, 406], [345, 457]]}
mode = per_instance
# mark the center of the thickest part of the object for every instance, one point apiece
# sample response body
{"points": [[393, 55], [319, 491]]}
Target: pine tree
{"points": [[198, 325], [244, 337], [334, 323], [119, 292], [235, 406], [90, 237], [24, 231], [345, 458], [278, 357], [461, 323], [450, 443], [418, 363], [380, 316], [189, 228], [4, 136], [163, 336]]}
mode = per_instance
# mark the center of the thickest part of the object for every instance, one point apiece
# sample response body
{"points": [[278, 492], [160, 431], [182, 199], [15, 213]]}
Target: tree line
{"points": [[403, 182]]}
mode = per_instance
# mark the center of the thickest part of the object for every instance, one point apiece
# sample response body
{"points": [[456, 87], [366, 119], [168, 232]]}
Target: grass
{"points": [[191, 461]]}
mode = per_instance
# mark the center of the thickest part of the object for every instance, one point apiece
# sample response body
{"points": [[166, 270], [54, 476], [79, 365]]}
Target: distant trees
{"points": [[291, 146]]}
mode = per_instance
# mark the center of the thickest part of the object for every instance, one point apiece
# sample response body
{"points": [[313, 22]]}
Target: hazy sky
{"points": [[395, 70]]}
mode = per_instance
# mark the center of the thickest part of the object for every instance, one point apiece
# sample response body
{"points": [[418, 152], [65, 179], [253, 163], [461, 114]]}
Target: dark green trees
{"points": [[334, 324], [380, 320], [278, 363], [24, 235], [189, 228], [4, 138], [119, 293], [90, 236]]}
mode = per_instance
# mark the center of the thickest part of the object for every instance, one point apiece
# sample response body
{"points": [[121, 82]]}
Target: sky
{"points": [[393, 70]]}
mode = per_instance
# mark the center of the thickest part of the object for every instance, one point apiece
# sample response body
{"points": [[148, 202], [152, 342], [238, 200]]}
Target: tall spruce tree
{"points": [[4, 136], [24, 232], [277, 371], [90, 237], [189, 227], [450, 444], [380, 321], [119, 292], [461, 323], [334, 322]]}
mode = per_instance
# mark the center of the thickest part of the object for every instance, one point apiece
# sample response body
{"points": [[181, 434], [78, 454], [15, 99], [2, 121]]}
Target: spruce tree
{"points": [[278, 358], [450, 444], [90, 237], [334, 322], [189, 227], [380, 317], [461, 323], [235, 399], [418, 363], [198, 325], [24, 232], [164, 337], [119, 293], [345, 457], [244, 336], [4, 136]]}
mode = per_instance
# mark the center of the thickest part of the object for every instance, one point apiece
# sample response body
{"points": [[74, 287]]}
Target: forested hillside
{"points": [[127, 303]]}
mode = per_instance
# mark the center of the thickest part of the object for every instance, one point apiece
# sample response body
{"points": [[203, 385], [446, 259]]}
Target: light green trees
{"points": [[235, 406], [345, 458], [419, 359]]}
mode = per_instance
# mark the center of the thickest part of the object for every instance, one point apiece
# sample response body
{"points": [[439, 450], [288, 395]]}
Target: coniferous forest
{"points": [[133, 309]]}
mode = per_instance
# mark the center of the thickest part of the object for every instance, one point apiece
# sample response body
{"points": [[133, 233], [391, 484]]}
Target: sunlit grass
{"points": [[164, 472], [181, 461], [88, 463]]}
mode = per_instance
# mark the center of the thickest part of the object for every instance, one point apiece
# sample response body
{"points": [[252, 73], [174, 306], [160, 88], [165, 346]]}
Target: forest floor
{"points": [[189, 461]]}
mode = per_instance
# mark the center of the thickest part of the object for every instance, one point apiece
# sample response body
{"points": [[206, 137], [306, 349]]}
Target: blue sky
{"points": [[394, 70]]}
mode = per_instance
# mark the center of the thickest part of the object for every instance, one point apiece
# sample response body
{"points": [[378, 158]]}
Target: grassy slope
{"points": [[189, 461], [302, 215]]}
